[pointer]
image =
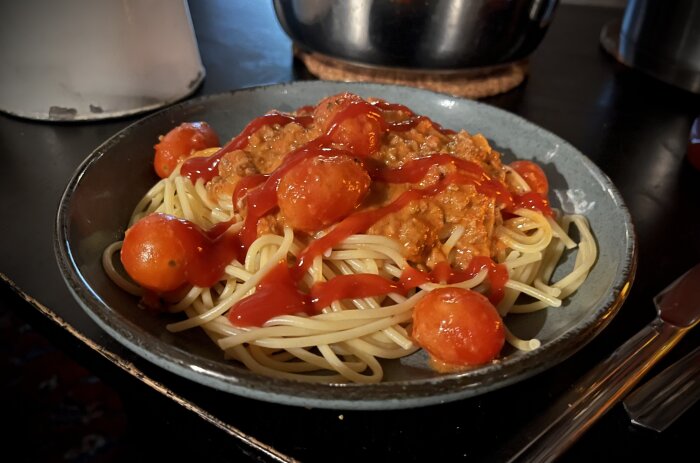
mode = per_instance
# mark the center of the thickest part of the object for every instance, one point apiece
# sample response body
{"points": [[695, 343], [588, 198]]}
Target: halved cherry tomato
{"points": [[180, 142], [533, 175], [458, 327], [321, 190]]}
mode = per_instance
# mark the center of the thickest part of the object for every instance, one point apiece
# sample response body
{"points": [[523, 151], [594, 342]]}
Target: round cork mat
{"points": [[477, 83]]}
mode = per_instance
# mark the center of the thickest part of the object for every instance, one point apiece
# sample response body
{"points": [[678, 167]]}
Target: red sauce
{"points": [[443, 273], [208, 167], [531, 200], [308, 109], [373, 112], [275, 295], [361, 221], [278, 292], [212, 255], [412, 278], [245, 184], [210, 251], [497, 276], [413, 120], [354, 110], [352, 287], [386, 106], [263, 199], [415, 170]]}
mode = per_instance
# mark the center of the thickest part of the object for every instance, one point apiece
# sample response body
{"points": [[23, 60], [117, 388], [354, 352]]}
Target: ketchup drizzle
{"points": [[207, 168], [352, 287], [278, 293], [413, 119], [443, 273], [362, 220]]}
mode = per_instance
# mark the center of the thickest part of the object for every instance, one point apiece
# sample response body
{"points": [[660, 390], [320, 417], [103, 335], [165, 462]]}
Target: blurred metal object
{"points": [[427, 35], [659, 38], [665, 397], [86, 60], [578, 409]]}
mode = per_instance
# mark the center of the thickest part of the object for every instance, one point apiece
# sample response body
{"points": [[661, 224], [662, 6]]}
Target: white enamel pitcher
{"points": [[95, 59]]}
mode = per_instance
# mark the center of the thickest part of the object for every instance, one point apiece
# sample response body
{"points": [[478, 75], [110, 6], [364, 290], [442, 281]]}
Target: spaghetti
{"points": [[304, 245]]}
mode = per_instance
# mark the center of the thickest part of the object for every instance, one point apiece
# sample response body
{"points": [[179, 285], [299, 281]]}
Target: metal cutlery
{"points": [[558, 428], [662, 399]]}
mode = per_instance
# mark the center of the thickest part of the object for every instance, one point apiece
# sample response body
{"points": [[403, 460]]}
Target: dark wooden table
{"points": [[632, 126]]}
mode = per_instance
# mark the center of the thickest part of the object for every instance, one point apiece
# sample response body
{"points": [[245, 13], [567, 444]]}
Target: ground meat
{"points": [[232, 167], [416, 227], [420, 225], [264, 153], [270, 144]]}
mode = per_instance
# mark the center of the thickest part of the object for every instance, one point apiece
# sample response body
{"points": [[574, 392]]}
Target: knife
{"points": [[678, 310], [664, 398]]}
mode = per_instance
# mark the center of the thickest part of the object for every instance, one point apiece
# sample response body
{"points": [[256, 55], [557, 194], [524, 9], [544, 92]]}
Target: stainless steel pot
{"points": [[428, 34], [663, 39]]}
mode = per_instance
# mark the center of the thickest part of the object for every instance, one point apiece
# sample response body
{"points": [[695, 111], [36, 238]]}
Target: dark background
{"points": [[71, 393]]}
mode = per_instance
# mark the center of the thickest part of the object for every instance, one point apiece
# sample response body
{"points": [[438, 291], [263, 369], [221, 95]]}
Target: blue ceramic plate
{"points": [[99, 199]]}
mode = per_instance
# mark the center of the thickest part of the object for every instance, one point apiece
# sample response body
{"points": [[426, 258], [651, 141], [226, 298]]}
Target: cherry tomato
{"points": [[328, 107], [533, 175], [163, 253], [321, 190], [180, 142], [361, 135], [352, 122], [458, 327], [154, 254]]}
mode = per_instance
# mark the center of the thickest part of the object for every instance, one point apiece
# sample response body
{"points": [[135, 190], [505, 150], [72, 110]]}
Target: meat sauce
{"points": [[398, 174], [402, 137]]}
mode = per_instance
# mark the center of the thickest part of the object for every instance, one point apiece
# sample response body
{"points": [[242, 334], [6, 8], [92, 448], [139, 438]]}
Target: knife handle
{"points": [[596, 393]]}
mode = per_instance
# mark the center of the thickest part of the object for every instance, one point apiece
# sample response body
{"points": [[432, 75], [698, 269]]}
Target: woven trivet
{"points": [[478, 83]]}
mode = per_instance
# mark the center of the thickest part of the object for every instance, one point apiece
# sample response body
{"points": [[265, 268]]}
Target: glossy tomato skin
{"points": [[180, 142], [320, 191], [533, 175], [361, 135], [352, 123], [458, 327], [154, 255]]}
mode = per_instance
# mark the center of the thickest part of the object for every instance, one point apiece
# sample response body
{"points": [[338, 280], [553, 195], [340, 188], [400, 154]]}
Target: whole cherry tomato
{"points": [[180, 142], [458, 327], [154, 255], [352, 122], [162, 252], [321, 190]]}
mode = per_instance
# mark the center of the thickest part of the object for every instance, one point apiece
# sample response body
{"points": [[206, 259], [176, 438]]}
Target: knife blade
{"points": [[659, 402], [678, 310]]}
